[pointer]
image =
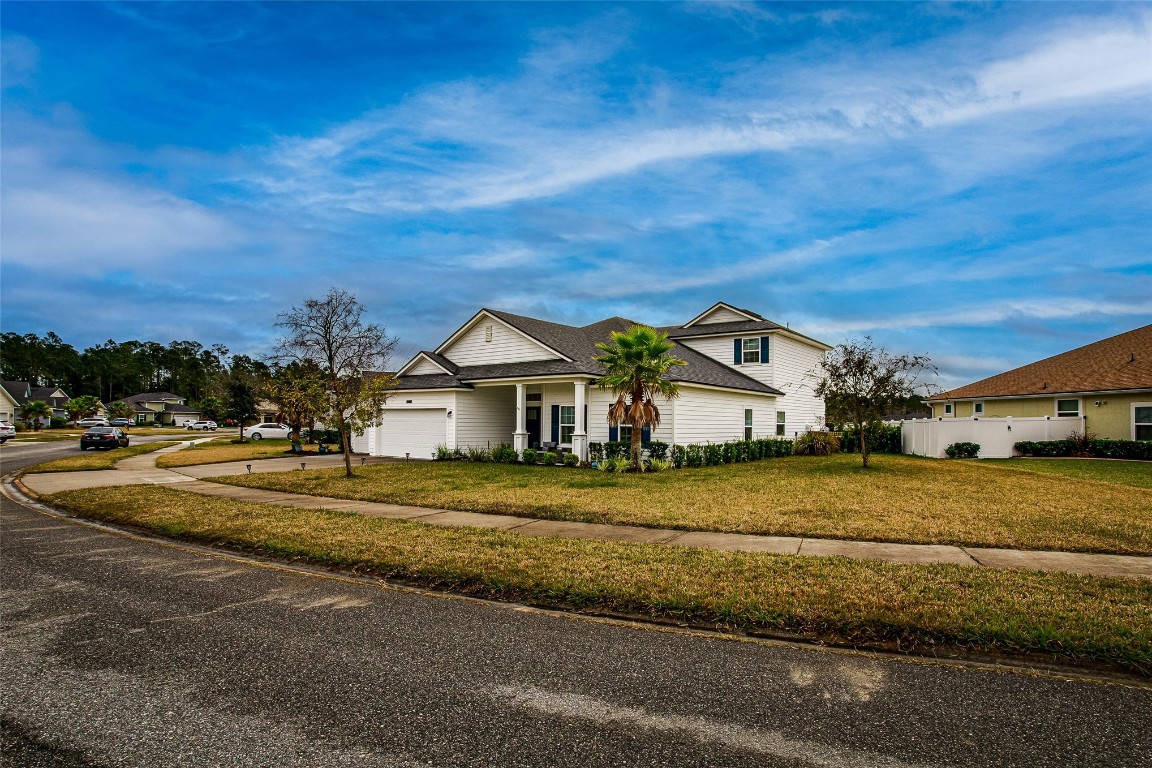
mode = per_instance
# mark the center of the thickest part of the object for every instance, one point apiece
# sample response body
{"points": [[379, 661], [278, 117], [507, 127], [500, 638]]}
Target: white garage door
{"points": [[416, 431]]}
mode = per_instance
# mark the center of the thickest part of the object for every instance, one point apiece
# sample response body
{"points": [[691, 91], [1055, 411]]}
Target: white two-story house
{"points": [[504, 378]]}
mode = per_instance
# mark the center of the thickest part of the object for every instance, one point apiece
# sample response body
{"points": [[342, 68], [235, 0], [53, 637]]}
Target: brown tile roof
{"points": [[1117, 363]]}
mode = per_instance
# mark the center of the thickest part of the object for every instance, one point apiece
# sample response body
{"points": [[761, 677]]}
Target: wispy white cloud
{"points": [[473, 144]]}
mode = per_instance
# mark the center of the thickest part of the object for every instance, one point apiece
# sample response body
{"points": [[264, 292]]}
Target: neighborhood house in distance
{"points": [[504, 378], [1108, 384]]}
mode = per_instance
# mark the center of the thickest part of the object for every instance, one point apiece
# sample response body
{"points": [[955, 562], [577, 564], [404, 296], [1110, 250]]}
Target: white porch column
{"points": [[520, 436], [580, 435]]}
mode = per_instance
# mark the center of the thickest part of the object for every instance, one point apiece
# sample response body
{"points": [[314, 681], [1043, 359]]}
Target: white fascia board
{"points": [[440, 350], [734, 390], [532, 379], [713, 308]]}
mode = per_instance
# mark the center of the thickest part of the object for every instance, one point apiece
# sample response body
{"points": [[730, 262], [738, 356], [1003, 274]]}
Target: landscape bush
{"points": [[444, 453], [478, 455], [816, 444], [549, 458], [504, 454], [530, 455], [962, 450], [1137, 450], [571, 460], [882, 438]]}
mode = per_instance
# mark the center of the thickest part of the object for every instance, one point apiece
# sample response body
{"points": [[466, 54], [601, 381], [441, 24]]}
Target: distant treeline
{"points": [[117, 369]]}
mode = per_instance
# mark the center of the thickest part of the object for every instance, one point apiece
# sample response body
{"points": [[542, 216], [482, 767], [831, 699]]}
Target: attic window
{"points": [[487, 333]]}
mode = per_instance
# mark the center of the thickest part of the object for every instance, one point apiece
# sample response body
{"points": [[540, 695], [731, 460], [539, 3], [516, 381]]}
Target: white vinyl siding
{"points": [[721, 315], [715, 416], [719, 348], [485, 417], [424, 367], [792, 369], [506, 346], [795, 367]]}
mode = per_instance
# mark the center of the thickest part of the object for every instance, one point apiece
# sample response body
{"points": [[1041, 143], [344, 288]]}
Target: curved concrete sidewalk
{"points": [[139, 470]]}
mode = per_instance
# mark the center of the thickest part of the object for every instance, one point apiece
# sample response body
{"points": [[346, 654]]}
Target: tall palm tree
{"points": [[636, 364], [35, 410]]}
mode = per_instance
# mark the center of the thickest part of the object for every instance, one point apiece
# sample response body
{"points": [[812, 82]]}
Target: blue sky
{"points": [[970, 182]]}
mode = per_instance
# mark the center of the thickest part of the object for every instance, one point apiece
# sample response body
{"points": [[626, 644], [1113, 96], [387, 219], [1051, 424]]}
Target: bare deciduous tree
{"points": [[331, 334]]}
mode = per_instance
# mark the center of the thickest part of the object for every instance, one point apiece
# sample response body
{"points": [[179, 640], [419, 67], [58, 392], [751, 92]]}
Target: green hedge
{"points": [[882, 438], [733, 452], [1140, 450]]}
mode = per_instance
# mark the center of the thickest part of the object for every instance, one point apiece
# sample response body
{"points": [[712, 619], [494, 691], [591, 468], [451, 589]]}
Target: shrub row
{"points": [[882, 438], [962, 450], [732, 452], [614, 449], [1100, 449]]}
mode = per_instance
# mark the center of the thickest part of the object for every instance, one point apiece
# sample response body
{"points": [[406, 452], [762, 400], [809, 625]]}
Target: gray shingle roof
{"points": [[579, 344], [152, 397]]}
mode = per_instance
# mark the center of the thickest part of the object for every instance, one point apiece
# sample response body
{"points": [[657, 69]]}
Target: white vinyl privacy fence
{"points": [[996, 436]]}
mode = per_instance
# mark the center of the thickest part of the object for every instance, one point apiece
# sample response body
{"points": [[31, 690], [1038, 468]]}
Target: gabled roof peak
{"points": [[744, 314]]}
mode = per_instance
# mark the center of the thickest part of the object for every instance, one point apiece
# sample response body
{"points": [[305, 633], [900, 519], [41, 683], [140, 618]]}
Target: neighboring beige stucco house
{"points": [[1109, 383], [504, 378]]}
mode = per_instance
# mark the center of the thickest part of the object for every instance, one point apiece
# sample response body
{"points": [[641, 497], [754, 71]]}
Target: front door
{"points": [[532, 424]]}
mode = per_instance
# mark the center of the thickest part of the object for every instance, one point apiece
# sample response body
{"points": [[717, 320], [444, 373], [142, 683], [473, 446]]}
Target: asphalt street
{"points": [[125, 651]]}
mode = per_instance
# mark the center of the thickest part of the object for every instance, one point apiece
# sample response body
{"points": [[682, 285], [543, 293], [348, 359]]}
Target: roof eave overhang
{"points": [[1033, 395], [719, 388], [532, 378]]}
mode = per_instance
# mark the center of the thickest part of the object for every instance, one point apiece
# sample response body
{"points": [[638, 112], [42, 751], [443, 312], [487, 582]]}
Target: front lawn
{"points": [[93, 460], [1137, 474], [898, 498], [920, 608], [222, 449]]}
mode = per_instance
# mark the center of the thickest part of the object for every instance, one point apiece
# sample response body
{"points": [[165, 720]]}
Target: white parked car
{"points": [[202, 425], [6, 431], [269, 430], [93, 421], [187, 423]]}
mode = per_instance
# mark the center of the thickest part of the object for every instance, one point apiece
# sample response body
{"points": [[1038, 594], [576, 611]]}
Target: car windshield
{"points": [[101, 431]]}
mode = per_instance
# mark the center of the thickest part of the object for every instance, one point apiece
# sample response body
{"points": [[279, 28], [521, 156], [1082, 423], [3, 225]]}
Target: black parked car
{"points": [[103, 437]]}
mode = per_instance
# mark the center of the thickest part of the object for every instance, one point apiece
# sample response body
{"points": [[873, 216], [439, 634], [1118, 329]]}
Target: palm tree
{"points": [[33, 411], [636, 364]]}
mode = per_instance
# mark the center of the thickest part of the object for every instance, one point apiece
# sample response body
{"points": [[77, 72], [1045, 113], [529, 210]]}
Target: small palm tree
{"points": [[35, 410], [636, 364], [121, 410]]}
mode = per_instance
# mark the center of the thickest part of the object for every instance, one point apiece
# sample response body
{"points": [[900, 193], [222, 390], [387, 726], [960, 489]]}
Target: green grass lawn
{"points": [[1137, 474], [93, 460], [223, 449], [918, 608], [898, 498]]}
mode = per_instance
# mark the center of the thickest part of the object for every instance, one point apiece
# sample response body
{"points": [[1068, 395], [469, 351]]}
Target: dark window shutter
{"points": [[555, 423], [738, 351], [645, 435], [763, 349], [613, 432]]}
